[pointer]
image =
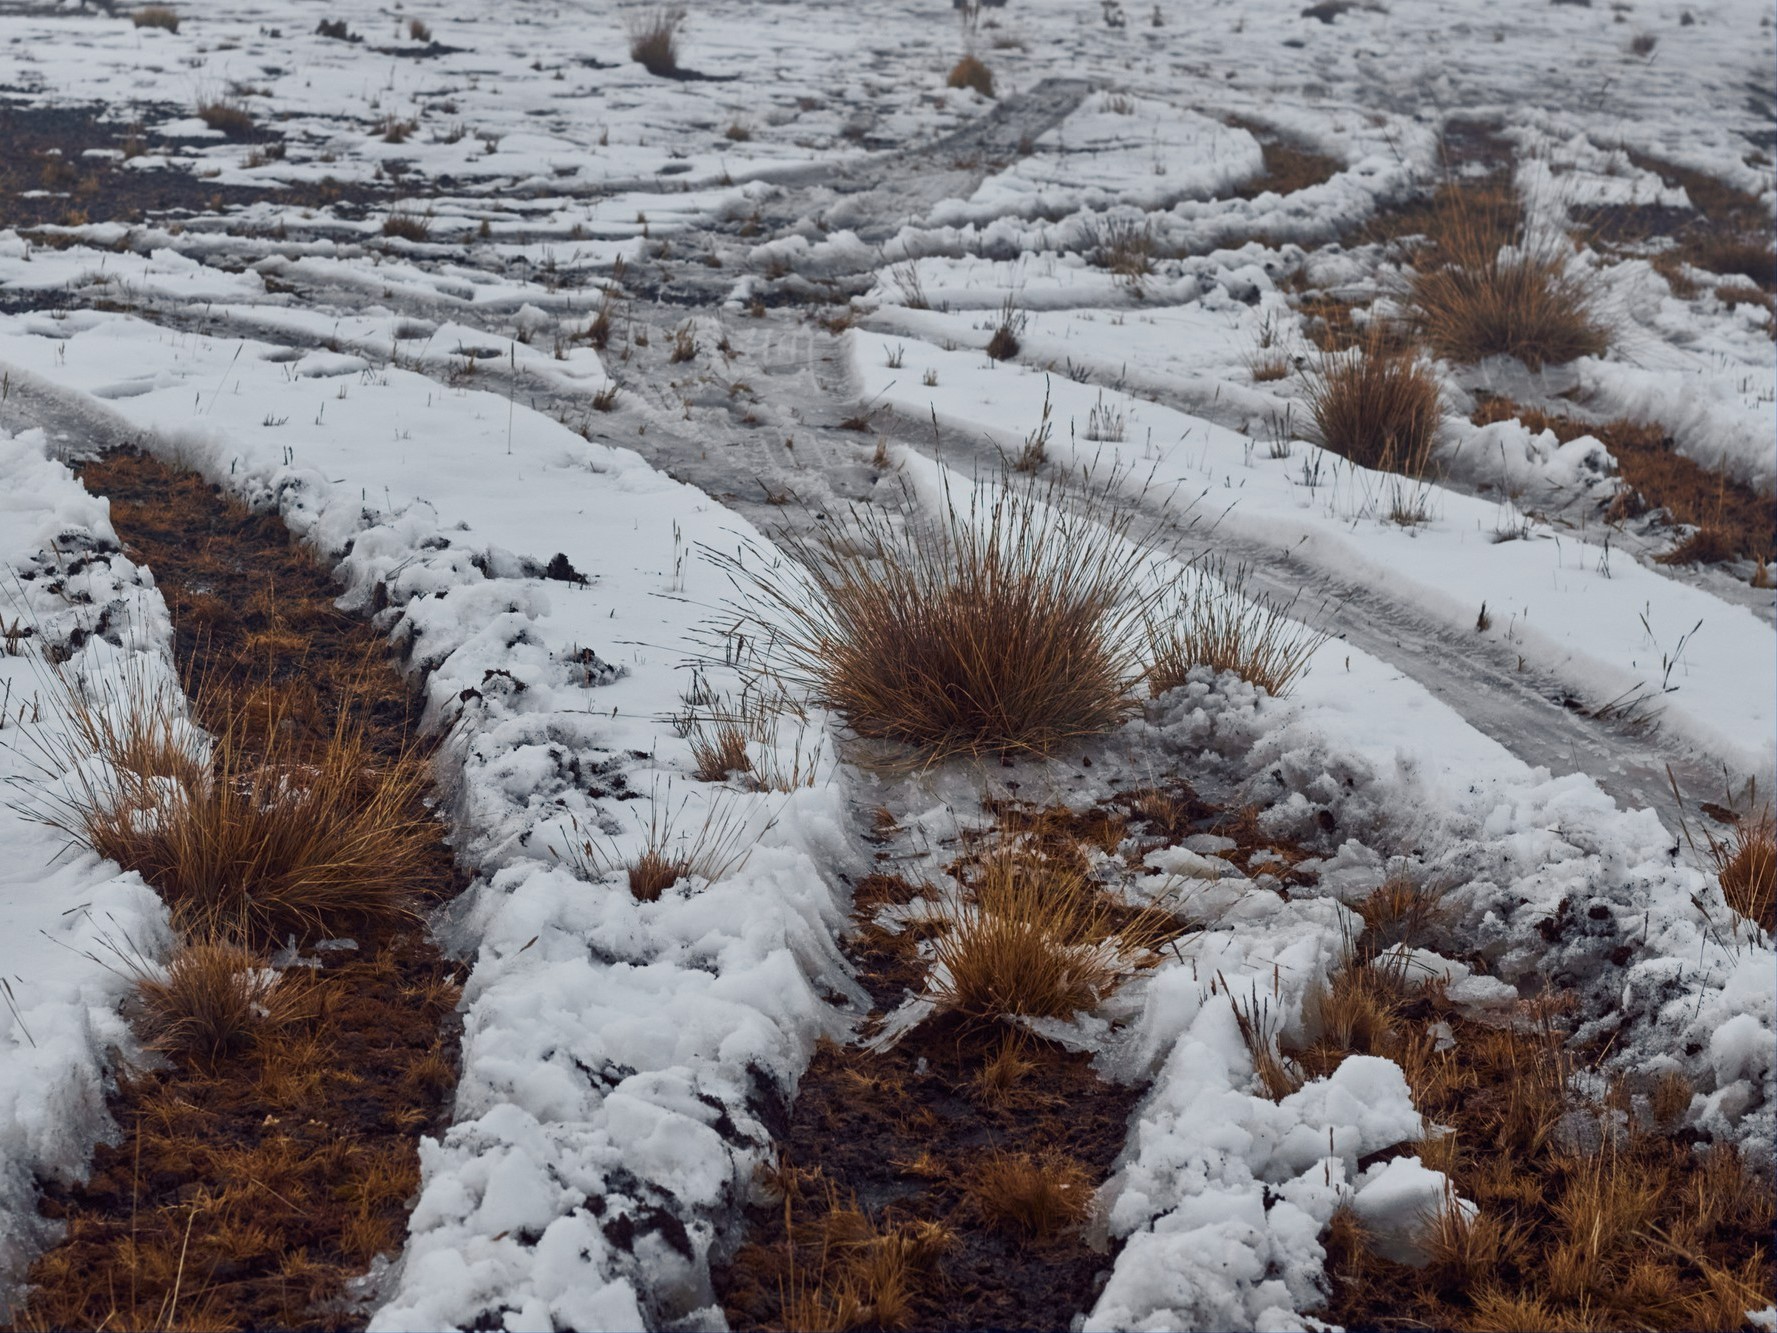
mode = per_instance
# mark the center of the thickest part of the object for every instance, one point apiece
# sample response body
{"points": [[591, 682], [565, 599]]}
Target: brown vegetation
{"points": [[1008, 622], [654, 39], [1729, 518], [229, 116], [156, 16], [1592, 1214], [1288, 167], [405, 225], [1487, 287], [1217, 625], [272, 1155], [1746, 863], [1377, 405], [969, 72], [1037, 937]]}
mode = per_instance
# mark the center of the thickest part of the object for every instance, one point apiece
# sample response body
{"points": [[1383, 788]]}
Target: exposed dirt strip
{"points": [[252, 1185], [946, 1179]]}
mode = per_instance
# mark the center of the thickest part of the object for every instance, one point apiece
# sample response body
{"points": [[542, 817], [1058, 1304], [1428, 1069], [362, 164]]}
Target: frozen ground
{"points": [[422, 409]]}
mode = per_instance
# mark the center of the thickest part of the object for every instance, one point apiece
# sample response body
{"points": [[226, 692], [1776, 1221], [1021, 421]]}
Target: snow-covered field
{"points": [[1506, 696]]}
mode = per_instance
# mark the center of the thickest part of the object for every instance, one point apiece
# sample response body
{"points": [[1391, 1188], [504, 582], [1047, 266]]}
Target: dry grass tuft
{"points": [[405, 225], [1217, 625], [156, 16], [670, 852], [1486, 287], [252, 830], [1008, 623], [1746, 863], [969, 72], [228, 115], [654, 39], [213, 999], [1039, 939], [1037, 1196], [1377, 405], [856, 1273]]}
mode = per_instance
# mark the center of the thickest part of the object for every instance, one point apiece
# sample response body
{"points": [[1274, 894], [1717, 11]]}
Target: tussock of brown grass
{"points": [[213, 999], [1039, 938], [227, 115], [1009, 622], [1746, 863], [671, 850], [654, 39], [1488, 288], [156, 16], [1375, 404], [406, 225], [250, 830], [1034, 1195], [1288, 167], [969, 72], [1217, 625]]}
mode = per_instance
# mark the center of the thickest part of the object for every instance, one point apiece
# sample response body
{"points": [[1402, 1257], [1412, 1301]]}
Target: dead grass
{"points": [[271, 1158], [214, 998], [1217, 625], [1036, 1196], [1732, 237], [969, 72], [1038, 938], [1592, 1214], [156, 16], [1731, 519], [252, 829], [1007, 339], [1288, 167], [1486, 287], [228, 115], [654, 39], [1124, 247], [1009, 622], [671, 850], [1377, 405], [406, 225], [1746, 863]]}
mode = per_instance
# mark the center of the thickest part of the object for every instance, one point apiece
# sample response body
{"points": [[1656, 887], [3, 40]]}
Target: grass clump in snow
{"points": [[228, 115], [1009, 622], [1217, 625], [1038, 938], [1376, 404], [670, 849], [407, 225], [654, 39], [1488, 287], [249, 829], [1746, 863], [1593, 1209], [970, 72], [156, 16]]}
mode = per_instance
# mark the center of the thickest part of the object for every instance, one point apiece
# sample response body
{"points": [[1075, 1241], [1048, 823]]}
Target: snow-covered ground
{"points": [[421, 411]]}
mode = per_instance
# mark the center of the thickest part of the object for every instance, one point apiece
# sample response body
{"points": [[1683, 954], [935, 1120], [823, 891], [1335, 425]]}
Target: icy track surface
{"points": [[422, 411]]}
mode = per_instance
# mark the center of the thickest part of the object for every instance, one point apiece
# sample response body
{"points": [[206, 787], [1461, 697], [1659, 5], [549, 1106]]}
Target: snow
{"points": [[65, 915], [622, 1059]]}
